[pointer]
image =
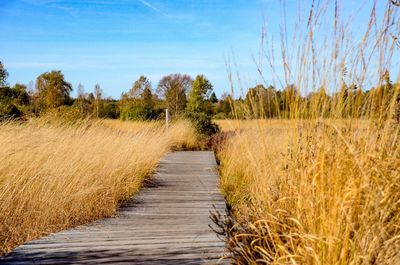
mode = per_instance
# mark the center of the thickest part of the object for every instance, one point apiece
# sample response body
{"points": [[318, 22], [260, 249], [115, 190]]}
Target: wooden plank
{"points": [[166, 223]]}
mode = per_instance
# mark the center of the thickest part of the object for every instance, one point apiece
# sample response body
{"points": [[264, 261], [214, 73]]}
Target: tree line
{"points": [[350, 101], [194, 98], [180, 93]]}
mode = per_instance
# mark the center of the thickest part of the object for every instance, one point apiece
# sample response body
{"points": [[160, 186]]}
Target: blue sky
{"points": [[114, 42]]}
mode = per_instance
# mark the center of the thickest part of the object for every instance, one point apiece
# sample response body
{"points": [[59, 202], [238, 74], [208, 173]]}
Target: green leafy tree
{"points": [[8, 111], [139, 87], [147, 97], [13, 101], [224, 106], [110, 108], [51, 90], [173, 89], [138, 103], [199, 107], [213, 98], [201, 89], [20, 95], [260, 102]]}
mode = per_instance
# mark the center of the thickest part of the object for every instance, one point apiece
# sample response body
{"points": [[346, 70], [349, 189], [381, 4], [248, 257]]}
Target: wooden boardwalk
{"points": [[166, 223]]}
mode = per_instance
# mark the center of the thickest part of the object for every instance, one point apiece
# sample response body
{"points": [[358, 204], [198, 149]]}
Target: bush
{"points": [[10, 101], [110, 110], [64, 115], [137, 111], [203, 124], [9, 111]]}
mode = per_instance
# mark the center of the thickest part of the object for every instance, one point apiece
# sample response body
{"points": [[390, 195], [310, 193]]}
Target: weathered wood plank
{"points": [[166, 223]]}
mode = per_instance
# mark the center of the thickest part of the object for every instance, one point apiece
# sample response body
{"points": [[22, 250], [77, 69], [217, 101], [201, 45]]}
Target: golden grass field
{"points": [[314, 192], [54, 176], [321, 183]]}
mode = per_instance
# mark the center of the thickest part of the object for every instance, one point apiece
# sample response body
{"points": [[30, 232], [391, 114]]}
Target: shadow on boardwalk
{"points": [[104, 257]]}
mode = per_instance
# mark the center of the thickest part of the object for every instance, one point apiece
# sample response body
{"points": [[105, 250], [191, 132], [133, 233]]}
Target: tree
{"points": [[199, 108], [173, 89], [147, 98], [139, 87], [98, 93], [224, 106], [81, 97], [256, 100], [201, 89], [213, 98], [262, 102], [52, 90], [21, 96], [386, 97], [9, 111], [138, 103], [85, 102], [110, 108], [13, 101], [3, 75]]}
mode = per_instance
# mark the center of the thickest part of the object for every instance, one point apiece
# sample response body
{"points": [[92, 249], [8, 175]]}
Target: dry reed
{"points": [[314, 193], [54, 176], [322, 184]]}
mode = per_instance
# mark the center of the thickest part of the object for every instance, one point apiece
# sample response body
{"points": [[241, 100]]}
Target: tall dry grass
{"points": [[313, 193], [305, 189], [54, 176]]}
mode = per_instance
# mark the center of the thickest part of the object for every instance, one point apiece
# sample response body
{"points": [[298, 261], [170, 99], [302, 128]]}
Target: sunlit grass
{"points": [[320, 184], [53, 176], [321, 195]]}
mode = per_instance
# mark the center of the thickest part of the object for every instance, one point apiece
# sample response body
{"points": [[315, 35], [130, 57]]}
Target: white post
{"points": [[167, 118]]}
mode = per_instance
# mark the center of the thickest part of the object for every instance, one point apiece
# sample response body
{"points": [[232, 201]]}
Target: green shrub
{"points": [[203, 123], [139, 111], [9, 111], [110, 110]]}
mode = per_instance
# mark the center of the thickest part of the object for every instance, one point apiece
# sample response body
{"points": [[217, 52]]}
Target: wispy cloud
{"points": [[67, 6], [144, 2], [56, 4]]}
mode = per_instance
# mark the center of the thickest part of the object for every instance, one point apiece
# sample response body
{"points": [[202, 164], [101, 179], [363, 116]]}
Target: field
{"points": [[313, 192], [54, 175], [308, 147], [318, 181]]}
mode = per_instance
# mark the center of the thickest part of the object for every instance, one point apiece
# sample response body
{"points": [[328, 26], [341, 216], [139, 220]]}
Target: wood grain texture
{"points": [[166, 223]]}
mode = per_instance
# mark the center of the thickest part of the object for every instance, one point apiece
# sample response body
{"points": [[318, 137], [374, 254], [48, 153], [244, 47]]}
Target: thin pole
{"points": [[167, 118]]}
